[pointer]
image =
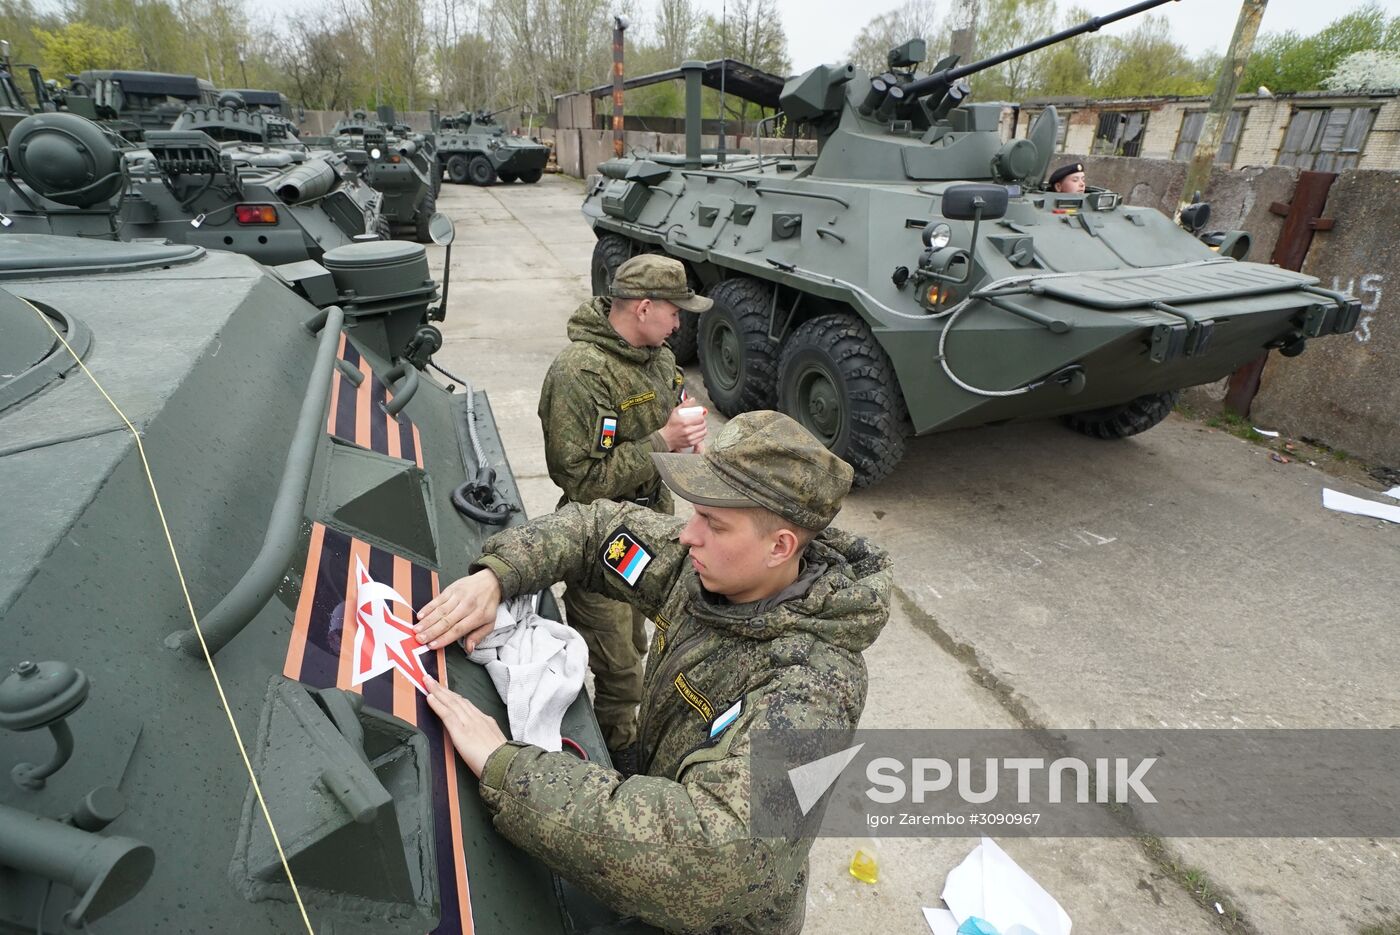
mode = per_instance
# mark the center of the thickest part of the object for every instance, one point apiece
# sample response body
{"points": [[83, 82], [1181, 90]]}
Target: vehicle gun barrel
{"points": [[940, 81]]}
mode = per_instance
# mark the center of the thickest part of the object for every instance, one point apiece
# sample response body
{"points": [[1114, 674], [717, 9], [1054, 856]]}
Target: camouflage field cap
{"points": [[762, 459], [651, 276]]}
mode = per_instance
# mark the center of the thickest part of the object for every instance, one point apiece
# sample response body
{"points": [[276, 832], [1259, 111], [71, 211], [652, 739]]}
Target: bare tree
{"points": [[916, 19]]}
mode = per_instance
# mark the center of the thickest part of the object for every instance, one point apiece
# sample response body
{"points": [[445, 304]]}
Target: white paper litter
{"points": [[941, 921], [1267, 433], [1393, 493], [1346, 503], [990, 885]]}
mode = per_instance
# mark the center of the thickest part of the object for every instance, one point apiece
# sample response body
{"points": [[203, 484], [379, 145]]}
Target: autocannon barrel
{"points": [[305, 182], [940, 81]]}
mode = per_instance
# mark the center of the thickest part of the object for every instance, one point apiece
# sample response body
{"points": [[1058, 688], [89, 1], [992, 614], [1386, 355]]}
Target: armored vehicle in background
{"points": [[189, 435], [132, 102], [396, 162], [274, 102], [71, 176], [915, 275], [474, 148]]}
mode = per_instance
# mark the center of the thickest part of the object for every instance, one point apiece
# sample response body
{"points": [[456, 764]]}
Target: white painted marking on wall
{"points": [[1370, 292]]}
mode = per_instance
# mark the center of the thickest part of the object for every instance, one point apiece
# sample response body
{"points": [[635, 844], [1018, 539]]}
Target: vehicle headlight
{"points": [[936, 236], [375, 153]]}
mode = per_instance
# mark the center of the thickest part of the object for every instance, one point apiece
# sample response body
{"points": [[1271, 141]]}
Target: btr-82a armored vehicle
{"points": [[71, 176], [228, 489], [396, 162], [474, 148], [916, 275]]}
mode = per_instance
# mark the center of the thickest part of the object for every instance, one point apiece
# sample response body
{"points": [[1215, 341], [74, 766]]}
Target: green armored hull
{"points": [[916, 275], [305, 473], [275, 203], [473, 148]]}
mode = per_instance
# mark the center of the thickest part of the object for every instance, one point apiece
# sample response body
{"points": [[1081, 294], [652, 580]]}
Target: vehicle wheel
{"points": [[1129, 418], [426, 207], [737, 360], [610, 252], [507, 177], [457, 170], [836, 380], [480, 171], [383, 228], [685, 343], [531, 176]]}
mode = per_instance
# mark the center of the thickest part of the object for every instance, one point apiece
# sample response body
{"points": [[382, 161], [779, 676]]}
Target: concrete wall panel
{"points": [[1344, 390]]}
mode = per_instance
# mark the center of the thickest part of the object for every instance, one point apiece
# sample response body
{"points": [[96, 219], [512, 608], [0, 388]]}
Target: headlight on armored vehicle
{"points": [[1103, 201], [375, 153], [936, 235]]}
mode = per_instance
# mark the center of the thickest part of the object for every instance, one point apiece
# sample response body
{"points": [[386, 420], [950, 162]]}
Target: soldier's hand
{"points": [[684, 429], [475, 734], [465, 609]]}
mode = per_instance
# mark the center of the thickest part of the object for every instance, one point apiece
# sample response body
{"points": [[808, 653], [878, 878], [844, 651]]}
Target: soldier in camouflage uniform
{"points": [[609, 401], [761, 615]]}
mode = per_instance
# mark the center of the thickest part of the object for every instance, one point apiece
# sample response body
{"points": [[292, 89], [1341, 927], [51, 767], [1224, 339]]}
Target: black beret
{"points": [[1064, 172]]}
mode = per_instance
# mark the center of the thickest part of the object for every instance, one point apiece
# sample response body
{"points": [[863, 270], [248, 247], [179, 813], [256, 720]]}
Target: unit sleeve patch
{"points": [[626, 556], [607, 432]]}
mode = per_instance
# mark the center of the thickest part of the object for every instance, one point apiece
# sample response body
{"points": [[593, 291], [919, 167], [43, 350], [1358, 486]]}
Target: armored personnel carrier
{"points": [[228, 489], [474, 148], [915, 275], [71, 176], [396, 162]]}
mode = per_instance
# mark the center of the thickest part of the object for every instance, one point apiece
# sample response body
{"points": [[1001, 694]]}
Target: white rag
{"points": [[537, 666]]}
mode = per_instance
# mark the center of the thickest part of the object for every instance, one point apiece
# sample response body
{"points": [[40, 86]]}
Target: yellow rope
{"points": [[208, 657]]}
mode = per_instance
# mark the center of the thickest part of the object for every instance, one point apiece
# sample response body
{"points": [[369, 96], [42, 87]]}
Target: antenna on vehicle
{"points": [[723, 70]]}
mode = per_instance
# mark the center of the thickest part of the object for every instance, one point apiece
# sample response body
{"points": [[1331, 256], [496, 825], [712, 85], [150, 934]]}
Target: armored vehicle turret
{"points": [[228, 490], [474, 148], [916, 275], [71, 176], [396, 162]]}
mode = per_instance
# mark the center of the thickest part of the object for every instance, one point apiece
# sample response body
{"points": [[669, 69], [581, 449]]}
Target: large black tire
{"points": [[383, 228], [685, 343], [837, 381], [1130, 418], [508, 177], [457, 170], [610, 252], [426, 207], [531, 176], [738, 361], [480, 171]]}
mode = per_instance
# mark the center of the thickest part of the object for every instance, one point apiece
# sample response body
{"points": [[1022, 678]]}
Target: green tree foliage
{"points": [[1004, 24], [1290, 62], [79, 46], [1145, 61]]}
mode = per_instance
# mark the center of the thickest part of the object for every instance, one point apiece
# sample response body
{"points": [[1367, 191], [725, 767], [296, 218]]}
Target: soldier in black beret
{"points": [[1068, 178]]}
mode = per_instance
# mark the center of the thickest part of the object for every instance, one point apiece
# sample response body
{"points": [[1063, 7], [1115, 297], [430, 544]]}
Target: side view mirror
{"points": [[974, 202], [443, 232], [441, 229]]}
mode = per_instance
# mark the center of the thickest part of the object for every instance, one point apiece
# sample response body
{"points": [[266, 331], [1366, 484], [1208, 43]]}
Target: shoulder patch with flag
{"points": [[607, 433], [626, 556]]}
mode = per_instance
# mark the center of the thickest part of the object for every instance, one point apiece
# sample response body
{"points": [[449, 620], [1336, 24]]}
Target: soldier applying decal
{"points": [[762, 611], [609, 401]]}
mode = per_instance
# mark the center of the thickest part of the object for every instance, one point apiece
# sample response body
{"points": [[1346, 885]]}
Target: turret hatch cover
{"points": [[28, 256]]}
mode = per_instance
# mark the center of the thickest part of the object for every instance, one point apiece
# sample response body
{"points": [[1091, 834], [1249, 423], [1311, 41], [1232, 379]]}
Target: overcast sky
{"points": [[821, 30]]}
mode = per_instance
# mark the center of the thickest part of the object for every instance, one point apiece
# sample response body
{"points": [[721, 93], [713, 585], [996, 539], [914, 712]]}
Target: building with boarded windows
{"points": [[1323, 131]]}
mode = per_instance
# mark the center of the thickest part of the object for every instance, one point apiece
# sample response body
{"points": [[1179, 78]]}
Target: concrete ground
{"points": [[1178, 579]]}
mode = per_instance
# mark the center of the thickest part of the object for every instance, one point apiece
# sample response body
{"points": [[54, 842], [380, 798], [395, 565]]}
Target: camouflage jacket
{"points": [[674, 847], [601, 405]]}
